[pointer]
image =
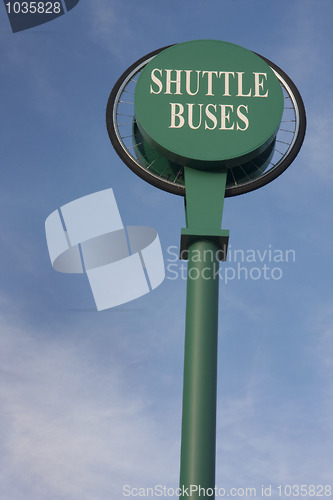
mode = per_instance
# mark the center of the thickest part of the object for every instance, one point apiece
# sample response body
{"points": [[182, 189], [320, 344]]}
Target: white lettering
{"points": [[242, 117], [228, 278], [259, 85], [279, 271], [156, 87], [226, 80], [226, 117], [188, 81], [209, 81], [178, 115], [172, 253], [190, 116], [177, 81], [156, 81], [240, 86], [126, 490], [211, 117]]}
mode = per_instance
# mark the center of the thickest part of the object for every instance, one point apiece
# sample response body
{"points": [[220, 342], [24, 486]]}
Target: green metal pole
{"points": [[204, 240], [197, 471]]}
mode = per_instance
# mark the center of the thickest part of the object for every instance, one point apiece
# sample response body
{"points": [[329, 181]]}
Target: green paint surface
{"points": [[208, 104], [200, 369]]}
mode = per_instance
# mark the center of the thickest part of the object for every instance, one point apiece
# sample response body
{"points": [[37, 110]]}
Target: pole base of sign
{"points": [[219, 236]]}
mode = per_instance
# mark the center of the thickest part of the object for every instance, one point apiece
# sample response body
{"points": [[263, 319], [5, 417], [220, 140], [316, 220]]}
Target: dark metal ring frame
{"points": [[284, 159]]}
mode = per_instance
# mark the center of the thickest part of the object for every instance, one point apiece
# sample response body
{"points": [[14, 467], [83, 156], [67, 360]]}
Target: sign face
{"points": [[208, 104]]}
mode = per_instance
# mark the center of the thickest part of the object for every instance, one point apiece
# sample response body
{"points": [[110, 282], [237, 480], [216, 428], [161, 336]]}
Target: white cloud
{"points": [[68, 427], [283, 440], [75, 426], [110, 28], [262, 442]]}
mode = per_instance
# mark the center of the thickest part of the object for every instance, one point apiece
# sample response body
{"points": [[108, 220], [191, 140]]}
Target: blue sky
{"points": [[91, 401]]}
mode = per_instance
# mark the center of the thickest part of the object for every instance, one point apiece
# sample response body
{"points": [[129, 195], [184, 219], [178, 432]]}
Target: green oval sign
{"points": [[208, 104]]}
